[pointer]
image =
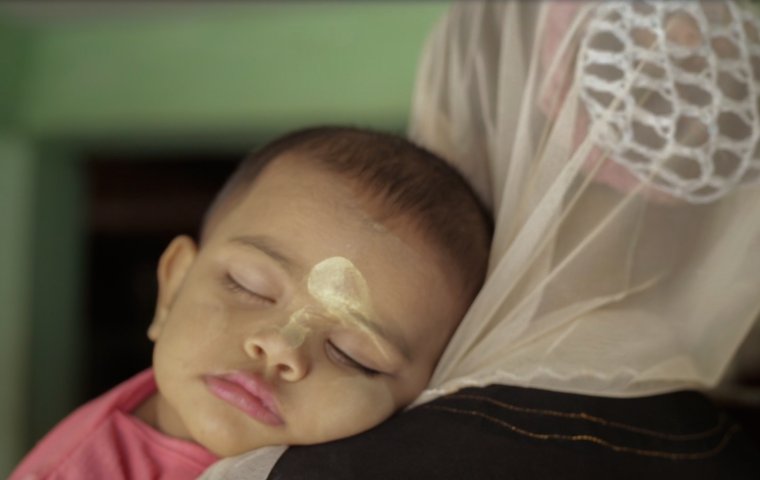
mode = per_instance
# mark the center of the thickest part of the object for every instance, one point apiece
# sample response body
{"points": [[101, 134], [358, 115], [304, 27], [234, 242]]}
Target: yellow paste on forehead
{"points": [[341, 291], [340, 287]]}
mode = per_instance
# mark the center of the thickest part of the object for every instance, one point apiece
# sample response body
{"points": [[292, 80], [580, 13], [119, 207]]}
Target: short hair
{"points": [[405, 179]]}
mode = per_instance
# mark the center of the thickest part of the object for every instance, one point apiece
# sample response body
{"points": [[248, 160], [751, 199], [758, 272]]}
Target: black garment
{"points": [[501, 432]]}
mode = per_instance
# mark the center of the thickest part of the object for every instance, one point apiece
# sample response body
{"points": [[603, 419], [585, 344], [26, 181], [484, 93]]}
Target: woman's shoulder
{"points": [[509, 432]]}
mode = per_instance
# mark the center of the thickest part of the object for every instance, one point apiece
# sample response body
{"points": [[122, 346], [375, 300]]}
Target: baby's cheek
{"points": [[196, 326], [350, 405]]}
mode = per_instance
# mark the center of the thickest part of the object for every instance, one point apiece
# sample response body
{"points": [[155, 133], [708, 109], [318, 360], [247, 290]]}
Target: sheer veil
{"points": [[617, 146]]}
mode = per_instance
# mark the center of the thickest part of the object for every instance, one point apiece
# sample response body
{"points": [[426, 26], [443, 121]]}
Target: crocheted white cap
{"points": [[683, 80]]}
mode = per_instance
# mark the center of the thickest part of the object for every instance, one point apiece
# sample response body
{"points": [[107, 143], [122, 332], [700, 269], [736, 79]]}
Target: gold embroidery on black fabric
{"points": [[608, 423], [596, 440]]}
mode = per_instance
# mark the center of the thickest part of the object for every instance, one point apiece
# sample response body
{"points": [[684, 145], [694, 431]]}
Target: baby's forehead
{"points": [[297, 172]]}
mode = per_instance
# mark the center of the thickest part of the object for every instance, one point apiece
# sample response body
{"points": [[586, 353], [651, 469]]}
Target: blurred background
{"points": [[118, 123]]}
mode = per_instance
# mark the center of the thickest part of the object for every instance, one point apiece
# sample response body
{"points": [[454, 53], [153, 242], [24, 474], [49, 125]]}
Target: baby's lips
{"points": [[260, 401]]}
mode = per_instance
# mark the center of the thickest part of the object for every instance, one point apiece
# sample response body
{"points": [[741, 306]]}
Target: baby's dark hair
{"points": [[406, 180]]}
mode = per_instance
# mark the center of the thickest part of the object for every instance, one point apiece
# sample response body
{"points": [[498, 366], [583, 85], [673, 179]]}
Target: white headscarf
{"points": [[617, 146]]}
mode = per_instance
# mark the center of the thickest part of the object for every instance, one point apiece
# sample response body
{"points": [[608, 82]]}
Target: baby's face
{"points": [[300, 320]]}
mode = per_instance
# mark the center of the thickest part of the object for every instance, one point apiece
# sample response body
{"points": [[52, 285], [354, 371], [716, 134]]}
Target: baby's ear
{"points": [[172, 268]]}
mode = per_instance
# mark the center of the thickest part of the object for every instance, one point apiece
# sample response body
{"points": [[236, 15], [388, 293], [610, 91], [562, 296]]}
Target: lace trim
{"points": [[675, 85]]}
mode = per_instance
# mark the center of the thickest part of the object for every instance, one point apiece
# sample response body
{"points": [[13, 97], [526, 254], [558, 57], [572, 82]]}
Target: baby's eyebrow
{"points": [[267, 246]]}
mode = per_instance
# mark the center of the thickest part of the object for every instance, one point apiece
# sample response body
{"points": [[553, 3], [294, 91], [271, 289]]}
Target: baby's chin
{"points": [[222, 444]]}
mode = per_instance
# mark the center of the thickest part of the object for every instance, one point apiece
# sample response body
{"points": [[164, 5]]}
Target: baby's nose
{"points": [[277, 355]]}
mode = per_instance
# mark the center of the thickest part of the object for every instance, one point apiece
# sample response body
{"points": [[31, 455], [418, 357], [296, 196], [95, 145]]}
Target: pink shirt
{"points": [[102, 439]]}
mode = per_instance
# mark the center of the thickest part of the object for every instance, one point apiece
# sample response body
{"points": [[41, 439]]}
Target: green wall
{"points": [[17, 169], [201, 77], [236, 70]]}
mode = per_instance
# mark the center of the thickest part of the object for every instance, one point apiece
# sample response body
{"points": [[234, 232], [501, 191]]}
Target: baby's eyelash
{"points": [[343, 357], [235, 287]]}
